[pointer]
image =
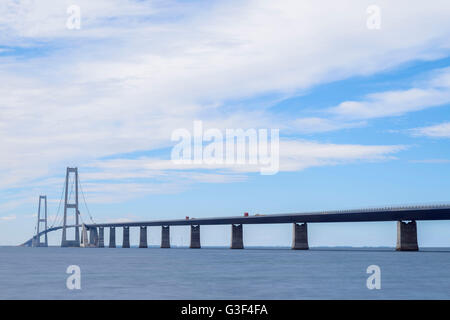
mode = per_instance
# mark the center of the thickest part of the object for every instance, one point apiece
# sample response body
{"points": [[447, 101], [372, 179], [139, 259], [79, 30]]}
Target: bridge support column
{"points": [[195, 237], [112, 237], [93, 237], [84, 237], [33, 243], [300, 236], [165, 237], [407, 236], [101, 237], [143, 237], [126, 237], [237, 241]]}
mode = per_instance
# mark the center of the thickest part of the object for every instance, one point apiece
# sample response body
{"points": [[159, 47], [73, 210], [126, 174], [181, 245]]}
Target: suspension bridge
{"points": [[406, 218]]}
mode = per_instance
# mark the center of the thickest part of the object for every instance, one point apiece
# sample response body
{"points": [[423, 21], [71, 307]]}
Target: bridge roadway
{"points": [[406, 231], [360, 215]]}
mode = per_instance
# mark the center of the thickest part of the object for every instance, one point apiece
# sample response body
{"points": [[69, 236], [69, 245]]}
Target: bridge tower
{"points": [[74, 206], [37, 239]]}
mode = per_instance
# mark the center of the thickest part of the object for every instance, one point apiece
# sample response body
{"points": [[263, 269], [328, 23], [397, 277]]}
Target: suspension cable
{"points": [[59, 205], [85, 202], [68, 198]]}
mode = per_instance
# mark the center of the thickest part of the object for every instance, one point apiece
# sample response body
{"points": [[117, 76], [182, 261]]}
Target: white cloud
{"points": [[106, 182], [436, 131], [434, 92], [299, 155], [315, 124], [8, 218], [294, 155], [126, 218], [138, 70]]}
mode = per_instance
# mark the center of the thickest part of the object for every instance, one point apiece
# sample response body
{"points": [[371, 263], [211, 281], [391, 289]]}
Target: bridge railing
{"points": [[390, 208]]}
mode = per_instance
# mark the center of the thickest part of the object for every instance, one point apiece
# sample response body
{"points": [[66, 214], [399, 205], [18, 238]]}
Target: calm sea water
{"points": [[219, 273]]}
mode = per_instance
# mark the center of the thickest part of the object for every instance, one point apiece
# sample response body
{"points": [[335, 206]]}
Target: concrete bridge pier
{"points": [[195, 237], [112, 237], [93, 237], [237, 241], [407, 236], [126, 237], [143, 237], [84, 237], [165, 236], [300, 236], [101, 237]]}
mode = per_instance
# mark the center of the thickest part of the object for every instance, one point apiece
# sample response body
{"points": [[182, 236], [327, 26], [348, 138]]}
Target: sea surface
{"points": [[221, 273]]}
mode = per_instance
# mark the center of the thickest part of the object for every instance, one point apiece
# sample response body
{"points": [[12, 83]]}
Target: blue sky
{"points": [[363, 114]]}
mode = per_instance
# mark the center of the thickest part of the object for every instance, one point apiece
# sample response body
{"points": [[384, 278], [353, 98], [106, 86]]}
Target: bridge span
{"points": [[437, 212], [406, 218]]}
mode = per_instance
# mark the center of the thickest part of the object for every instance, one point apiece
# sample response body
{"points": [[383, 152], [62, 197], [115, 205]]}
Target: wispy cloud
{"points": [[316, 125], [137, 70], [434, 92], [431, 161], [294, 155], [436, 131], [8, 218], [117, 180]]}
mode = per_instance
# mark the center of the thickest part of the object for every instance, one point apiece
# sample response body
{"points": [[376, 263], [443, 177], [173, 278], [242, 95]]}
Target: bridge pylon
{"points": [[37, 238], [73, 205]]}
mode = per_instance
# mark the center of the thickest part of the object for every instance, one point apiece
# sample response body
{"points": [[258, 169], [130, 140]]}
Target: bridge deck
{"points": [[440, 212], [378, 214]]}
